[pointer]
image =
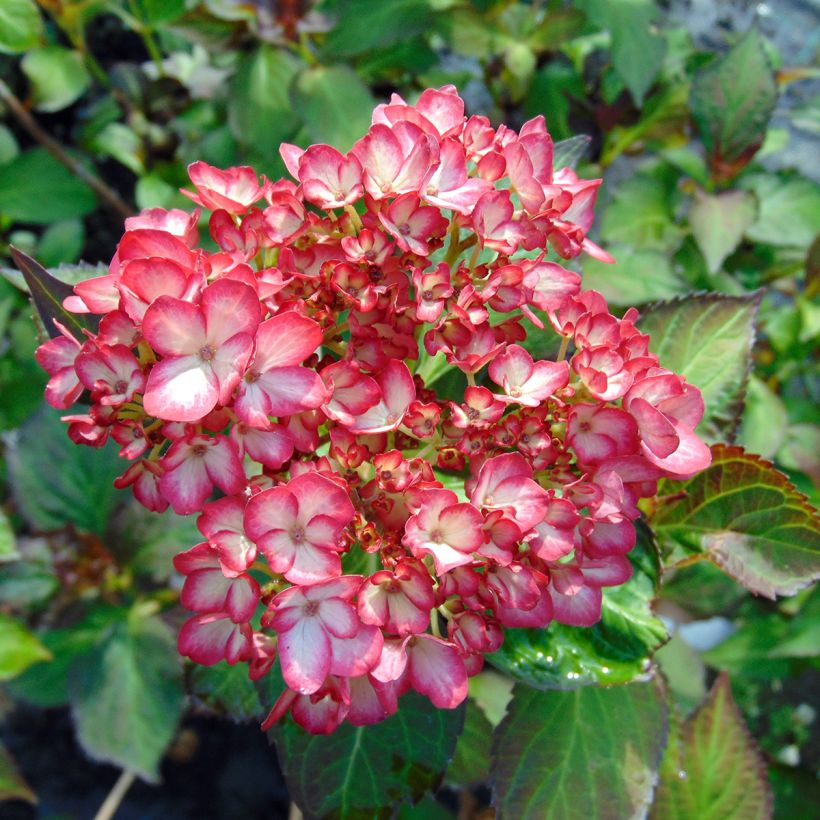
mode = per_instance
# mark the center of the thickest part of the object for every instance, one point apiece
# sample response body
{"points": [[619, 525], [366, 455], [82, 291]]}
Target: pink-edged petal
{"points": [[437, 671], [392, 661], [285, 340], [182, 388], [224, 466], [187, 486], [273, 509], [312, 564], [657, 432], [339, 618], [581, 609], [691, 456], [318, 495], [209, 639], [229, 363], [291, 390], [279, 549], [173, 327], [357, 655], [229, 307], [304, 653]]}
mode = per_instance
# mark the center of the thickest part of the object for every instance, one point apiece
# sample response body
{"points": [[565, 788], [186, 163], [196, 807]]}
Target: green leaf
{"points": [[58, 77], [126, 695], [121, 143], [637, 277], [226, 690], [789, 210], [712, 768], [8, 551], [641, 215], [147, 541], [19, 648], [364, 25], [80, 492], [334, 103], [9, 148], [745, 517], [719, 222], [592, 753], [12, 784], [765, 645], [61, 242], [47, 294], [549, 94], [46, 684], [155, 12], [259, 106], [471, 763], [765, 420], [21, 26], [368, 771], [34, 187], [637, 48], [708, 338], [616, 650], [684, 672], [731, 100]]}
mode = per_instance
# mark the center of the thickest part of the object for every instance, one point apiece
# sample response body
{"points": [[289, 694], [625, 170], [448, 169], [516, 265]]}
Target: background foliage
{"points": [[702, 120]]}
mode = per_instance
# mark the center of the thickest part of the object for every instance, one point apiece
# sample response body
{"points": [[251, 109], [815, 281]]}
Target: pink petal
{"points": [[173, 327], [230, 307], [357, 655], [304, 653], [284, 340], [436, 670]]}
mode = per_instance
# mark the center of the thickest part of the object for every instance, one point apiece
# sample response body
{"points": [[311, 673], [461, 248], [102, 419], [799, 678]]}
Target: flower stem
{"points": [[115, 796]]}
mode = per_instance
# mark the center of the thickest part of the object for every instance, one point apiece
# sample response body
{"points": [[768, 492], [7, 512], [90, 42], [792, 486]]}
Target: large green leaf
{"points": [[126, 695], [58, 77], [471, 763], [637, 277], [226, 690], [19, 648], [591, 753], [364, 25], [617, 649], [765, 419], [637, 48], [708, 338], [47, 294], [368, 771], [641, 215], [718, 223], [80, 492], [259, 107], [744, 516], [34, 187], [788, 209], [334, 103], [46, 684], [712, 768], [732, 99], [21, 26], [12, 784], [147, 541]]}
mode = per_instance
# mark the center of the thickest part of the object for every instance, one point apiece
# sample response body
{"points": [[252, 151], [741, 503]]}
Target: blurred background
{"points": [[703, 119]]}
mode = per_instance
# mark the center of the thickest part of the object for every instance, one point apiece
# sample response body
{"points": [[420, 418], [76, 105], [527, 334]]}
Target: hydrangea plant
{"points": [[423, 430]]}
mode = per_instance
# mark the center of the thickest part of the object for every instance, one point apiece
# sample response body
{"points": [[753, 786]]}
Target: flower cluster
{"points": [[351, 366]]}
